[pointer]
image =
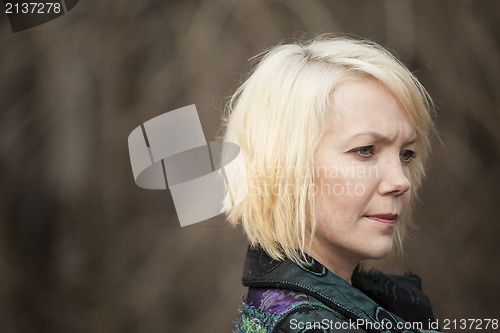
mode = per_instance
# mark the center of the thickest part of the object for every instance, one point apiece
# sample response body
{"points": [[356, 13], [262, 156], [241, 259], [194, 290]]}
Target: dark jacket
{"points": [[284, 297]]}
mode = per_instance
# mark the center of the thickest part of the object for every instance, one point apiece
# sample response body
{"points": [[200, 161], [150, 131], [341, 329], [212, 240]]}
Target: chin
{"points": [[380, 250]]}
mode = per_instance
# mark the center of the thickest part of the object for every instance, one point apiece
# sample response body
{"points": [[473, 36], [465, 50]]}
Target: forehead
{"points": [[366, 104]]}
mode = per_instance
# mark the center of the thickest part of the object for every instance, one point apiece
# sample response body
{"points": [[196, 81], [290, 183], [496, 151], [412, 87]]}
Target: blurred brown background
{"points": [[82, 249]]}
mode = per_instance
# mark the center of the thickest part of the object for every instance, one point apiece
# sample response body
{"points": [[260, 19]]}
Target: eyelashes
{"points": [[367, 152], [407, 155], [364, 151]]}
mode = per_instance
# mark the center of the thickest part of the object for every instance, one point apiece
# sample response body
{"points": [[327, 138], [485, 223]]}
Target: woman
{"points": [[334, 134]]}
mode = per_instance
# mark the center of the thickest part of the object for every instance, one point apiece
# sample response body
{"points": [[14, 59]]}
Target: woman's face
{"points": [[362, 174]]}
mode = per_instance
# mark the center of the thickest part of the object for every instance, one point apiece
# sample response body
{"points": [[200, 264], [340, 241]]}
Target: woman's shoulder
{"points": [[282, 310], [284, 296]]}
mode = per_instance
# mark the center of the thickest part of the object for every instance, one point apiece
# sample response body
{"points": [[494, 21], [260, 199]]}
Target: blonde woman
{"points": [[334, 134]]}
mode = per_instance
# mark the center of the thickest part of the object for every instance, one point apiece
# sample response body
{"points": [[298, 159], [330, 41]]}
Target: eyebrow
{"points": [[379, 137], [412, 141]]}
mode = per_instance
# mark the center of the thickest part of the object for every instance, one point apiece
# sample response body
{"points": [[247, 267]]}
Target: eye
{"points": [[407, 155], [365, 151]]}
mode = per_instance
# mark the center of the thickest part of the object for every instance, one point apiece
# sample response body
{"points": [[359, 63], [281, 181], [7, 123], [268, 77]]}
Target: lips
{"points": [[389, 219]]}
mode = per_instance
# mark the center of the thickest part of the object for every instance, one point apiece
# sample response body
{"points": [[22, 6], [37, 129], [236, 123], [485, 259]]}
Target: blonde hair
{"points": [[277, 116]]}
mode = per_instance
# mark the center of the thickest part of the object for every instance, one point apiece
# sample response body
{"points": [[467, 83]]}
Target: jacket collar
{"points": [[261, 271]]}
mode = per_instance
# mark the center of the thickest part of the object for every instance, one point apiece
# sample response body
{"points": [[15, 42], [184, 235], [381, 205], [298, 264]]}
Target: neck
{"points": [[340, 264]]}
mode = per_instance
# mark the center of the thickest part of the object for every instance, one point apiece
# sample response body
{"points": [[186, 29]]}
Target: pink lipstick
{"points": [[389, 219]]}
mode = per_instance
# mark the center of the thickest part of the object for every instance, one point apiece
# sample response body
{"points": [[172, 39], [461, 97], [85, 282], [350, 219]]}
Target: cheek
{"points": [[343, 194], [405, 200], [406, 197]]}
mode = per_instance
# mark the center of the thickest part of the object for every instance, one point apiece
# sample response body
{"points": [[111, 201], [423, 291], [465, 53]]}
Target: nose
{"points": [[394, 181]]}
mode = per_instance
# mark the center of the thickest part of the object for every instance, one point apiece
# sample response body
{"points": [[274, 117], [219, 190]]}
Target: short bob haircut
{"points": [[277, 119]]}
